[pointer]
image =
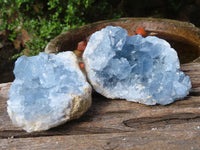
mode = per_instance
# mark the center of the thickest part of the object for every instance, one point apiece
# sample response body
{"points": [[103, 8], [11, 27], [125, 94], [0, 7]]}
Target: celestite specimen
{"points": [[144, 70], [48, 90]]}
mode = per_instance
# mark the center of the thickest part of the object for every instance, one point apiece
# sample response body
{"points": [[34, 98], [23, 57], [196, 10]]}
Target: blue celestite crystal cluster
{"points": [[144, 70], [48, 90]]}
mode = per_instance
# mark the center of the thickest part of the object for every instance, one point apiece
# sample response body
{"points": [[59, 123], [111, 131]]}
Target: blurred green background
{"points": [[27, 26]]}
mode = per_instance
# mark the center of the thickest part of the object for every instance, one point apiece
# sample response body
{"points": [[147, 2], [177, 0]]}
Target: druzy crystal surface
{"points": [[138, 69], [48, 90]]}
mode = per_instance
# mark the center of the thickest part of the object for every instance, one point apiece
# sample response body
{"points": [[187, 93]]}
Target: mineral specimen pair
{"points": [[50, 89]]}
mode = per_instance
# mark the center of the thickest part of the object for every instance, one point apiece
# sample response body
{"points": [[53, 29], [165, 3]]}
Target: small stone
{"points": [[141, 31], [138, 69], [81, 46], [48, 90]]}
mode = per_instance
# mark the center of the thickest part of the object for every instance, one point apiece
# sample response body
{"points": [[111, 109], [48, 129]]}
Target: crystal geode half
{"points": [[48, 90], [144, 70]]}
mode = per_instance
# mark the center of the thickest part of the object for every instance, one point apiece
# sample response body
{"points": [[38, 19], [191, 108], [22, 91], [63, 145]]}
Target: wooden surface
{"points": [[116, 125], [184, 37]]}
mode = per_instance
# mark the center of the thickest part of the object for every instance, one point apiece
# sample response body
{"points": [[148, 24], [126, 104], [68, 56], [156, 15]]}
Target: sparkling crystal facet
{"points": [[47, 91], [144, 70]]}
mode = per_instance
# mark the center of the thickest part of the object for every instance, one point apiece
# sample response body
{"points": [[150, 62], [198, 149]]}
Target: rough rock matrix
{"points": [[144, 70], [48, 90]]}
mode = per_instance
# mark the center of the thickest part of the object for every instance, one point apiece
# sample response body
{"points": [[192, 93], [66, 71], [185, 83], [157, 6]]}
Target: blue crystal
{"points": [[144, 70], [43, 91]]}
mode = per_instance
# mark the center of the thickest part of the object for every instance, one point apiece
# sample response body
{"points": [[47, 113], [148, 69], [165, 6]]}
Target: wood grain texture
{"points": [[184, 37], [116, 124], [172, 29], [144, 140]]}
